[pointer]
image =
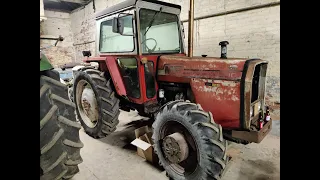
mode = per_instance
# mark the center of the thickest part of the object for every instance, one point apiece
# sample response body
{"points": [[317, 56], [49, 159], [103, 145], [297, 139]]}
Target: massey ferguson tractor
{"points": [[59, 132], [197, 103]]}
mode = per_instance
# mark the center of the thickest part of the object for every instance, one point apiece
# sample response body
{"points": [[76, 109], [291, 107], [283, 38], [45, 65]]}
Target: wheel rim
{"points": [[87, 104], [189, 156]]}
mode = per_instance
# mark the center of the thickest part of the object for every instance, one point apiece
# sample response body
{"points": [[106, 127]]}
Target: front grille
{"points": [[258, 82], [255, 84]]}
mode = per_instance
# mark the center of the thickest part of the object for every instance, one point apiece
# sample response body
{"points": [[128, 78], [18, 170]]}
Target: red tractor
{"points": [[197, 103]]}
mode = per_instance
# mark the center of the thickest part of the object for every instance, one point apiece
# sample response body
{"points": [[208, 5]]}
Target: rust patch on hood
{"points": [[220, 97], [199, 67]]}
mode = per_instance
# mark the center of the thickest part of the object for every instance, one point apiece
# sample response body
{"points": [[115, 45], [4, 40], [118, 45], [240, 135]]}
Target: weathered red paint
{"points": [[154, 59], [94, 59], [222, 99], [109, 63], [215, 83], [208, 67], [116, 76], [182, 69]]}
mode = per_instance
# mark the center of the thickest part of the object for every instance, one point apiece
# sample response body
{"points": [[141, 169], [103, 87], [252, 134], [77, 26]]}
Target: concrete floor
{"points": [[114, 158]]}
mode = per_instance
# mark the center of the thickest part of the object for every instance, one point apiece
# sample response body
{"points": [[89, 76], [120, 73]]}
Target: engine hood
{"points": [[201, 67]]}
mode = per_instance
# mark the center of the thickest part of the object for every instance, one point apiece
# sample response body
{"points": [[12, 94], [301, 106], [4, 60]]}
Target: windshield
{"points": [[159, 32]]}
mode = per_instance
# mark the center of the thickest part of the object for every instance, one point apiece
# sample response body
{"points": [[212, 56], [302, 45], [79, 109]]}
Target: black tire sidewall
{"points": [[84, 76], [174, 117], [70, 132]]}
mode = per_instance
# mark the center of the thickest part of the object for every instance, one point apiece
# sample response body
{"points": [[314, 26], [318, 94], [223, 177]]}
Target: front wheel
{"points": [[97, 107], [190, 146]]}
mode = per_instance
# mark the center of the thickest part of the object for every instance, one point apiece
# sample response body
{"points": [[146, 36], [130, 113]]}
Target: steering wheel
{"points": [[148, 49]]}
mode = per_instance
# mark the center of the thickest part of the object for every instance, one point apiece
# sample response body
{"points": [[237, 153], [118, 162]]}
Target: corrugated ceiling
{"points": [[64, 5]]}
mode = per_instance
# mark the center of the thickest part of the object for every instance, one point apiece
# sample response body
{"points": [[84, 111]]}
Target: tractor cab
{"points": [[140, 27], [133, 34]]}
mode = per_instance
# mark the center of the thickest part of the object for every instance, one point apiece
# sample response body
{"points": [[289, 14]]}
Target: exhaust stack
{"points": [[191, 29], [223, 45]]}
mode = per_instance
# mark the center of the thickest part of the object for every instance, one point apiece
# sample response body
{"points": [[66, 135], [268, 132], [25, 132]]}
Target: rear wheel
{"points": [[188, 143], [59, 132], [97, 107]]}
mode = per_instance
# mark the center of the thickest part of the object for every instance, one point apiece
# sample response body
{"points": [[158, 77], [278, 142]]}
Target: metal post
{"points": [[191, 29]]}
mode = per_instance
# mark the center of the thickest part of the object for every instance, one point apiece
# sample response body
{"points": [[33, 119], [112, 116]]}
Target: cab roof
{"points": [[129, 4]]}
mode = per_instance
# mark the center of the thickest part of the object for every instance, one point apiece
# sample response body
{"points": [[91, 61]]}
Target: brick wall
{"points": [[58, 23], [254, 33], [84, 29]]}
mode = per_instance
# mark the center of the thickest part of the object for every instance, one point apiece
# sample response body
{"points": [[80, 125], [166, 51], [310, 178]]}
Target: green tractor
{"points": [[59, 132]]}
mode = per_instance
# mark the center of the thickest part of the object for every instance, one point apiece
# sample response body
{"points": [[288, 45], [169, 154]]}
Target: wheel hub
{"points": [[175, 148], [89, 104]]}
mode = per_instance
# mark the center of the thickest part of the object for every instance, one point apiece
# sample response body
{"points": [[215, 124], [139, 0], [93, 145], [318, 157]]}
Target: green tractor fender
{"points": [[44, 63]]}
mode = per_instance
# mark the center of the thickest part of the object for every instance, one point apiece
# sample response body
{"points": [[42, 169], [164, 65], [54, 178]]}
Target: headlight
{"points": [[251, 111]]}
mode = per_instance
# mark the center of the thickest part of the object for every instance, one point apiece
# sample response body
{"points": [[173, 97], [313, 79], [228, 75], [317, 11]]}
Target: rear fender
{"points": [[109, 64]]}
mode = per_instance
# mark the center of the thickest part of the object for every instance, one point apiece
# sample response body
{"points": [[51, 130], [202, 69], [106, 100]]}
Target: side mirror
{"points": [[118, 25]]}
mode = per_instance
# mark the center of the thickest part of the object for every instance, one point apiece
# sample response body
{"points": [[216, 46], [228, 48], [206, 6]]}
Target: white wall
{"points": [[41, 10], [58, 23]]}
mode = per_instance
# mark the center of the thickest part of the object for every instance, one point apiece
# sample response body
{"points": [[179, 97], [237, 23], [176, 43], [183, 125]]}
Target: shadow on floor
{"points": [[258, 170], [124, 134]]}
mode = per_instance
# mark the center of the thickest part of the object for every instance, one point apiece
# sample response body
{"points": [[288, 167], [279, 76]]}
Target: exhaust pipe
{"points": [[223, 45], [191, 29]]}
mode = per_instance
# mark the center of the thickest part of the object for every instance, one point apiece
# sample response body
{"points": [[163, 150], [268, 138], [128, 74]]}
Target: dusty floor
{"points": [[113, 158]]}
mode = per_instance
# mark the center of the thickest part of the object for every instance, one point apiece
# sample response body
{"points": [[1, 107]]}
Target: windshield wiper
{"points": [[152, 20]]}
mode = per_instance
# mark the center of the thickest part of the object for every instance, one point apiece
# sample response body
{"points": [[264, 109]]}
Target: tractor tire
{"points": [[59, 132], [107, 103], [209, 146]]}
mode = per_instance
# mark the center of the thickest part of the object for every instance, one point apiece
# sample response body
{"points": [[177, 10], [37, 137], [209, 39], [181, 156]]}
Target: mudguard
{"points": [[109, 64]]}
